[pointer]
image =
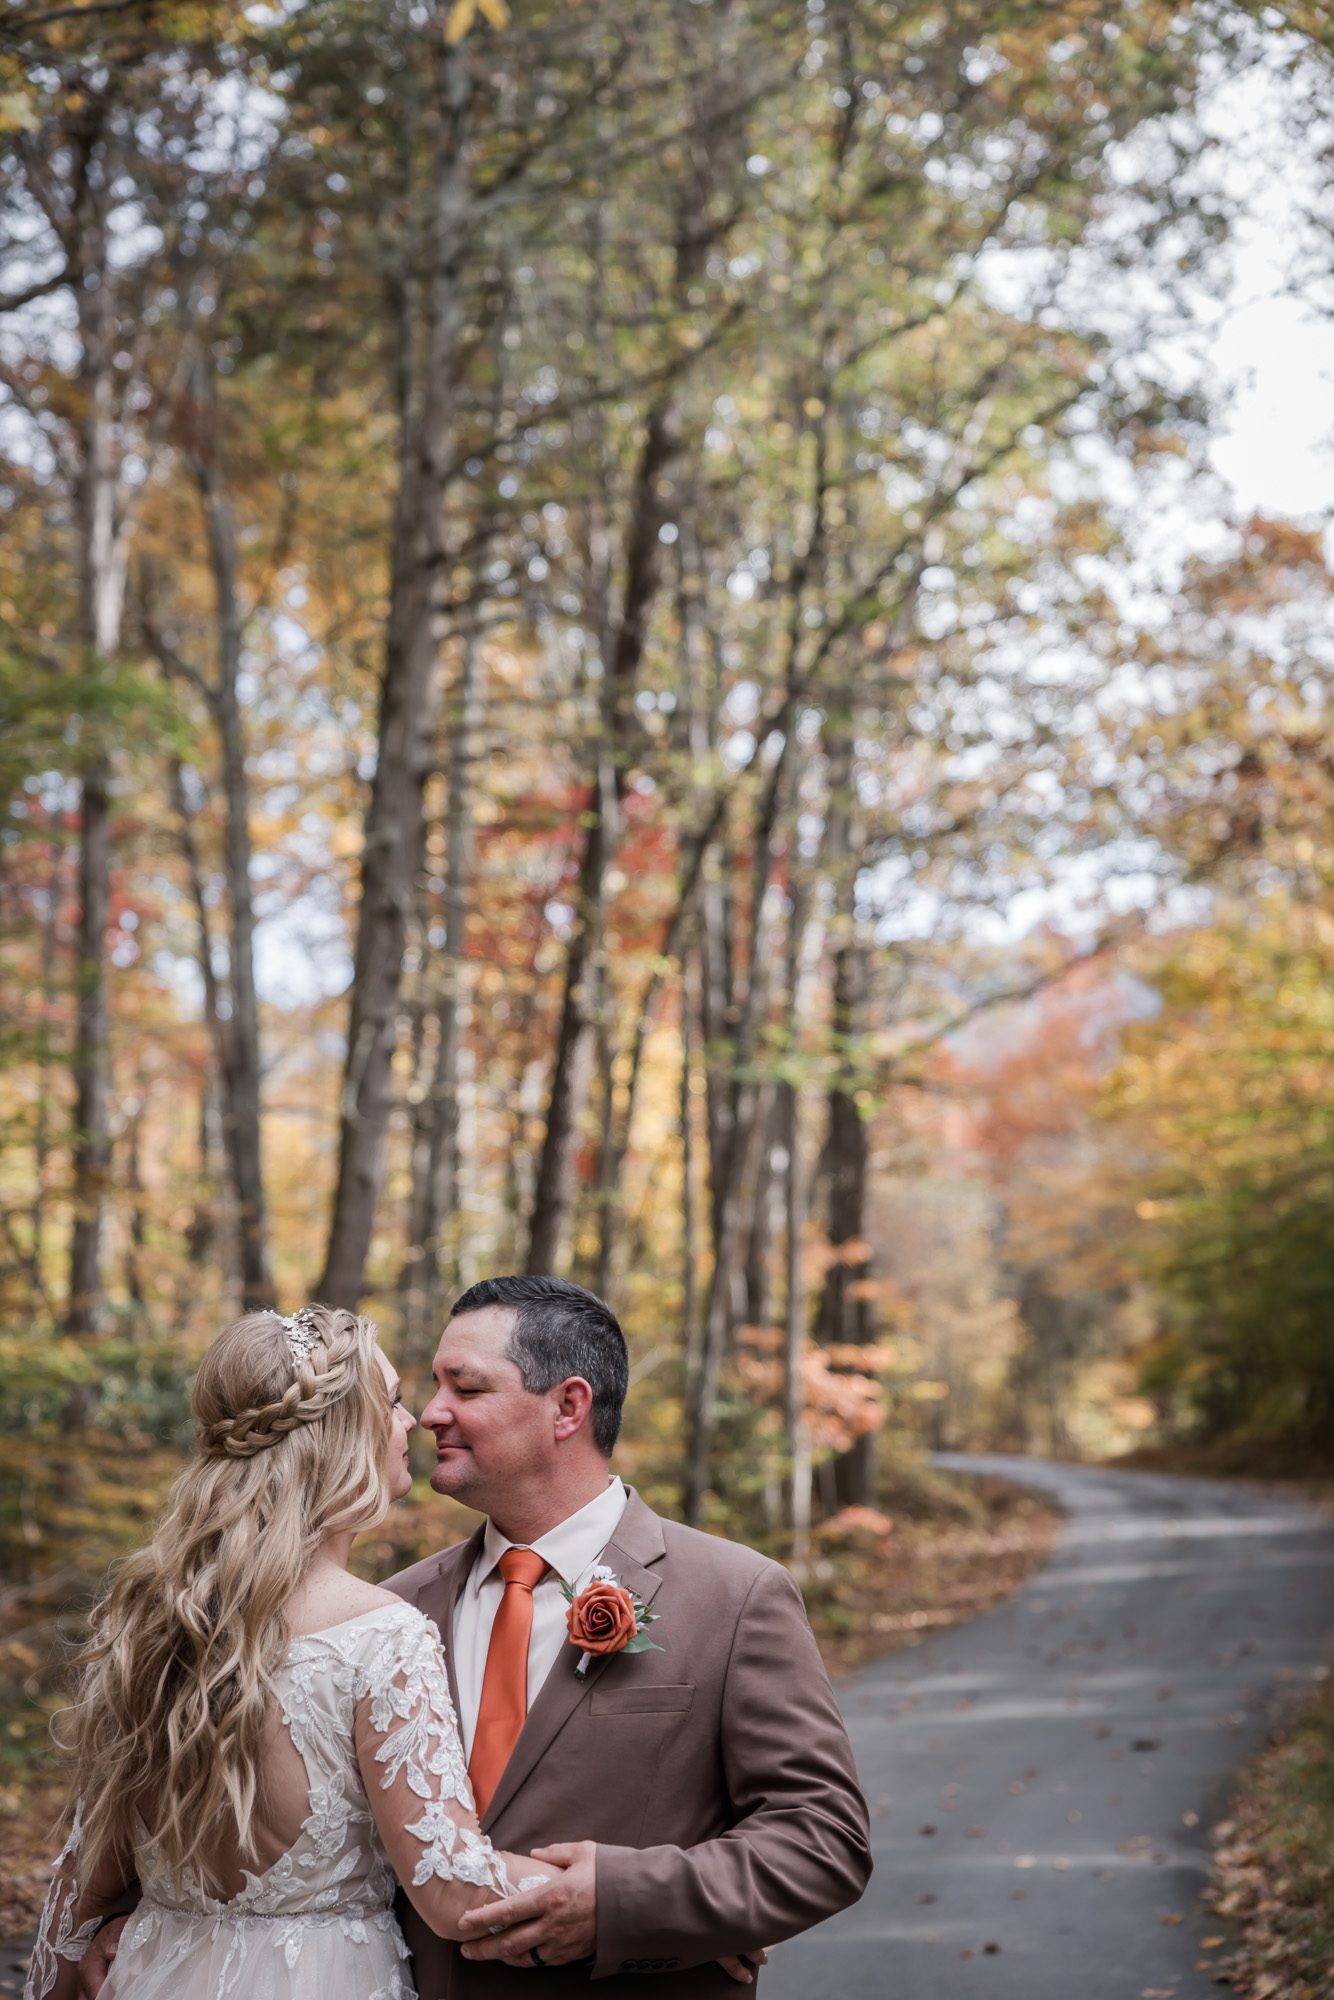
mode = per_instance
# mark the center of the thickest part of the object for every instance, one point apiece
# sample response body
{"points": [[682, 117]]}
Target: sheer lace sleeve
{"points": [[412, 1766], [71, 1917]]}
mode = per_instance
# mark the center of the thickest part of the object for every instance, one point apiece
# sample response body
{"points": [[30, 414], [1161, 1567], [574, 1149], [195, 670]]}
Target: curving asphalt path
{"points": [[1042, 1780]]}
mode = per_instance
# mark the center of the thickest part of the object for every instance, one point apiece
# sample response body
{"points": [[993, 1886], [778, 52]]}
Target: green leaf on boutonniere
{"points": [[641, 1643]]}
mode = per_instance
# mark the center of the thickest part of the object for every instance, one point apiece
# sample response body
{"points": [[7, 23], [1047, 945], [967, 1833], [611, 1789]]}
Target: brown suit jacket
{"points": [[715, 1775]]}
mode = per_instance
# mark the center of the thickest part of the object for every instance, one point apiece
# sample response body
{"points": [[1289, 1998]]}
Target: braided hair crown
{"points": [[319, 1379]]}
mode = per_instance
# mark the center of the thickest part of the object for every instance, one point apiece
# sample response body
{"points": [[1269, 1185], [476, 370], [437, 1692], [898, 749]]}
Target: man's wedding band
{"points": [[536, 1958]]}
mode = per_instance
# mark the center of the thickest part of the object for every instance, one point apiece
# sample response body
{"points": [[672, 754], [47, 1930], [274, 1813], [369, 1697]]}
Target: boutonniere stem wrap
{"points": [[605, 1617]]}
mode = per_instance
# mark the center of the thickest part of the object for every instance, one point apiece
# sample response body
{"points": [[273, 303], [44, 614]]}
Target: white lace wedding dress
{"points": [[366, 1707]]}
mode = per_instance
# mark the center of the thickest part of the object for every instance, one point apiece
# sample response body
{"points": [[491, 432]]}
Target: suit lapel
{"points": [[637, 1544], [438, 1599]]}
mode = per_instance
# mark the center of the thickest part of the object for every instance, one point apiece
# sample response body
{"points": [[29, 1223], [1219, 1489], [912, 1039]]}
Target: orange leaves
{"points": [[824, 1256], [856, 1524], [842, 1396]]}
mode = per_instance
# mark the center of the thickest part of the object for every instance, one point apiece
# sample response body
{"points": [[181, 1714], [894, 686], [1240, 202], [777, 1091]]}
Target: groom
{"points": [[704, 1793]]}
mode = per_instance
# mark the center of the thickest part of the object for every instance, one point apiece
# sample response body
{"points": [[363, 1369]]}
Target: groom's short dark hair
{"points": [[561, 1330]]}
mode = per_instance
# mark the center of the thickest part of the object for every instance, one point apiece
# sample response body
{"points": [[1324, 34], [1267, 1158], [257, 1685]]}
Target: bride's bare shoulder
{"points": [[325, 1601]]}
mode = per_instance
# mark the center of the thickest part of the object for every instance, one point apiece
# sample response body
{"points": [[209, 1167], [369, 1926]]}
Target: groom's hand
{"points": [[99, 1958], [558, 1921]]}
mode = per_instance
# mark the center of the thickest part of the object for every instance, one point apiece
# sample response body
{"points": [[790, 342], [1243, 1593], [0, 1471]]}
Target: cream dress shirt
{"points": [[571, 1549]]}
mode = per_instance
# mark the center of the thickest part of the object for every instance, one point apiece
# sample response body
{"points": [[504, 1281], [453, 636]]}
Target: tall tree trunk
{"points": [[551, 1200], [796, 1430], [134, 1181], [234, 1030], [409, 700], [242, 1121], [689, 1229], [202, 1230], [741, 1140], [796, 1433], [844, 1317], [702, 1390], [552, 1189], [435, 1193], [42, 1126], [102, 595], [766, 1219]]}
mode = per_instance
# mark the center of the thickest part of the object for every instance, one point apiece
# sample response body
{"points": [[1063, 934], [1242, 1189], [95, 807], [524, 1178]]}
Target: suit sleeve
{"points": [[799, 1849]]}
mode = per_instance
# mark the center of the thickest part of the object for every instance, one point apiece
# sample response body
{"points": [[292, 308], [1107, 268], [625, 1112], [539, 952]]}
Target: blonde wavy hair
{"points": [[174, 1683]]}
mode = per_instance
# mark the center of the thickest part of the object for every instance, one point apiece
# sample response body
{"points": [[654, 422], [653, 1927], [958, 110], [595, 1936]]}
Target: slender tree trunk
{"points": [[134, 1181], [242, 1111], [579, 997], [689, 1226], [702, 1392], [102, 581], [409, 698], [796, 1433], [552, 1189], [740, 1165], [718, 1019], [42, 1127], [766, 1220], [202, 1229], [735, 1175], [844, 1317], [435, 1197], [796, 1430]]}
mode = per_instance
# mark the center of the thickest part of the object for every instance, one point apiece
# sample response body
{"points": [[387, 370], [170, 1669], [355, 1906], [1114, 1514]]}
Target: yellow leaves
{"points": [[344, 839], [18, 113], [463, 13]]}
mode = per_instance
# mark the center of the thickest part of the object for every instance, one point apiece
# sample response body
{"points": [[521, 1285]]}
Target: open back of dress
{"points": [[363, 1704]]}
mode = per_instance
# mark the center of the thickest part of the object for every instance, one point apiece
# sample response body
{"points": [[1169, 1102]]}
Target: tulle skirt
{"points": [[169, 1953]]}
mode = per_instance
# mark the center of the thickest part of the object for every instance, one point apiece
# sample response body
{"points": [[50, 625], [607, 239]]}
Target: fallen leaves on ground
{"points": [[888, 1593], [1274, 1863]]}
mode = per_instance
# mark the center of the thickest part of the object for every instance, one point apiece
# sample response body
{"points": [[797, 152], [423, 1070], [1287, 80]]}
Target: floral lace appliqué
{"points": [[59, 1937], [410, 1707]]}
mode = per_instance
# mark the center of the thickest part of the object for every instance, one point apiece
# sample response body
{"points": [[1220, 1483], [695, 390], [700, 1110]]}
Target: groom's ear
{"points": [[574, 1406]]}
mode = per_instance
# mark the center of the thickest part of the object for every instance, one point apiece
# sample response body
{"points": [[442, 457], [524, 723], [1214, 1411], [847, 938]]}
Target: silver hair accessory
{"points": [[303, 1334]]}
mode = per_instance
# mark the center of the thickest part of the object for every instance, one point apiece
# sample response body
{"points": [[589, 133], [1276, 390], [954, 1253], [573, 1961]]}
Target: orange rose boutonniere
{"points": [[605, 1617]]}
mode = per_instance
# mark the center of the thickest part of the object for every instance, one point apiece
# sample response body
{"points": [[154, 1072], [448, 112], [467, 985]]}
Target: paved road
{"points": [[1042, 1780]]}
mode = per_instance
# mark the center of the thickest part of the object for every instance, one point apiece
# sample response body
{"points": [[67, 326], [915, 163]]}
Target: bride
{"points": [[261, 1740]]}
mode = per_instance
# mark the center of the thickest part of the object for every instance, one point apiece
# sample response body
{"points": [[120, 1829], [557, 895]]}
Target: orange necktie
{"points": [[504, 1703]]}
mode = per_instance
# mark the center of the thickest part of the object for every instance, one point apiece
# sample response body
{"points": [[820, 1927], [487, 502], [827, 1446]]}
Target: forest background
{"points": [[621, 653]]}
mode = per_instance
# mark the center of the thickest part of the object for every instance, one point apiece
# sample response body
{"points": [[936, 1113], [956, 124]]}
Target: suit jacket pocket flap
{"points": [[658, 1699]]}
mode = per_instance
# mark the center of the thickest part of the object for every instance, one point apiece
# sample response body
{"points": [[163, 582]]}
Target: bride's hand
{"points": [[99, 1958], [744, 1965]]}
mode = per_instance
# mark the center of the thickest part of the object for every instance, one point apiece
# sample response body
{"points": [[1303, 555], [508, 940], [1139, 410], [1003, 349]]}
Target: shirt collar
{"points": [[570, 1547]]}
